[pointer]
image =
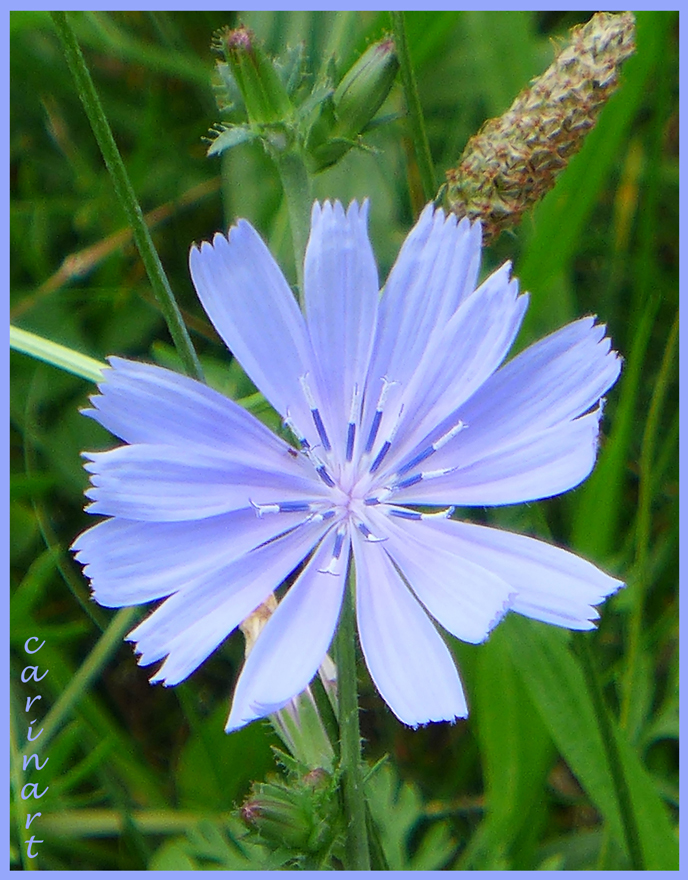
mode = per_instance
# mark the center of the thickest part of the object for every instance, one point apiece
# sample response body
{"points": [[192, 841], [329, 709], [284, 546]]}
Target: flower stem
{"points": [[126, 195], [297, 191], [623, 794], [415, 114], [358, 854]]}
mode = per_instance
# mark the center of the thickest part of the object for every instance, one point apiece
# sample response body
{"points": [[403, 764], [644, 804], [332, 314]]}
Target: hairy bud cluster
{"points": [[514, 160], [286, 109], [300, 817]]}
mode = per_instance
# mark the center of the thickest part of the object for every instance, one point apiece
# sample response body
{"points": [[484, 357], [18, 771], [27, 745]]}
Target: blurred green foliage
{"points": [[142, 777]]}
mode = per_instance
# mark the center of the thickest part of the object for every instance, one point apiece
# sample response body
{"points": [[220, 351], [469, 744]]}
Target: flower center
{"points": [[354, 474]]}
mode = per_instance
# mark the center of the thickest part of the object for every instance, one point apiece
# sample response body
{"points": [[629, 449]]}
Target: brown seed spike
{"points": [[514, 160]]}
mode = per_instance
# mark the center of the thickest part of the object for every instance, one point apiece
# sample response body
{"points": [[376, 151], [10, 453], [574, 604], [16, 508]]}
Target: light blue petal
{"points": [[189, 625], [469, 349], [295, 639], [142, 403], [435, 271], [551, 584], [407, 659], [466, 598], [554, 380], [249, 301], [131, 562], [171, 484], [341, 295], [530, 468], [557, 378]]}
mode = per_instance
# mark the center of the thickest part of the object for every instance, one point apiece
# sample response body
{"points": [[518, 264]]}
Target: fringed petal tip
{"points": [[464, 224], [459, 714], [501, 612], [355, 212]]}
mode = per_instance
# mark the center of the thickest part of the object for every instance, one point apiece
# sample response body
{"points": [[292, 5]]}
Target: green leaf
{"points": [[397, 808], [171, 857], [23, 528], [516, 752], [557, 687], [215, 769]]}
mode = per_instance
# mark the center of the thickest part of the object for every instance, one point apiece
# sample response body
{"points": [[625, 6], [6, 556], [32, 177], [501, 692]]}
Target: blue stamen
{"points": [[293, 506], [380, 456], [409, 481], [416, 460], [303, 443], [321, 429], [324, 476], [377, 418], [350, 437], [338, 544], [319, 517]]}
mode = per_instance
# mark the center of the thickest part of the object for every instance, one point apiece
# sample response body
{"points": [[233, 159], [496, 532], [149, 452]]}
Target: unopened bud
{"points": [[275, 813], [514, 160], [354, 103], [364, 88], [301, 814], [263, 93]]}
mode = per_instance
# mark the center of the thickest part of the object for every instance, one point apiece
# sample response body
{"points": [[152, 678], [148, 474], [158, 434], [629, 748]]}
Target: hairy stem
{"points": [[358, 854], [415, 114], [297, 191]]}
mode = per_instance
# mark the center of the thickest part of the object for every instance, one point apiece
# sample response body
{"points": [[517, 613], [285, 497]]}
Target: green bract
{"points": [[322, 121]]}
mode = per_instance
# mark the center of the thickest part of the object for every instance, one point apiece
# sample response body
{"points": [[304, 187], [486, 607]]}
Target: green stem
{"points": [[358, 854], [126, 195], [623, 794], [297, 191], [415, 113]]}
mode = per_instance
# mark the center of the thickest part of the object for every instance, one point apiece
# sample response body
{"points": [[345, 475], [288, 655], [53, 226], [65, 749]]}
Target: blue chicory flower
{"points": [[398, 403]]}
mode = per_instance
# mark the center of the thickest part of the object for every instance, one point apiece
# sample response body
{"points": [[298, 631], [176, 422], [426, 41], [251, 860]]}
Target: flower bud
{"points": [[263, 92], [364, 88], [343, 116], [272, 810], [301, 814], [514, 160]]}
